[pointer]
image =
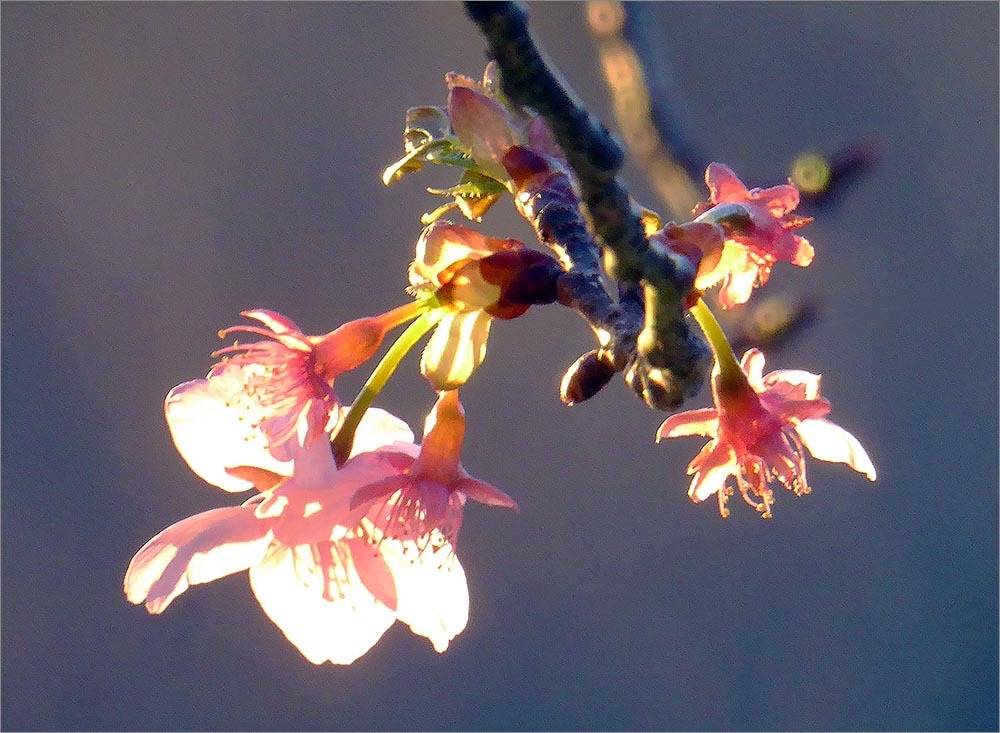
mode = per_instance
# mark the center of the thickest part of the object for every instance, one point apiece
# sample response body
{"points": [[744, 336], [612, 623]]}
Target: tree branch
{"points": [[671, 360]]}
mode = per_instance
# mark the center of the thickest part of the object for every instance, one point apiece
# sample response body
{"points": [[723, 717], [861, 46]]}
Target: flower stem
{"points": [[344, 439], [729, 366]]}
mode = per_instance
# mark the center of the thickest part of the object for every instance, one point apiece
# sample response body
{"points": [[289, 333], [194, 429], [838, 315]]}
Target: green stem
{"points": [[344, 439], [729, 366]]}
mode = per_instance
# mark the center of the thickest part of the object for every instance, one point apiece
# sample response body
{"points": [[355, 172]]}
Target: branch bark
{"points": [[670, 359]]}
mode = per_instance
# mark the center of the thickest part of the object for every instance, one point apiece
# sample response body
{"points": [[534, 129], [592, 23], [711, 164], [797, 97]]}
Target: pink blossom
{"points": [[416, 493], [276, 393], [332, 590], [758, 429], [759, 233]]}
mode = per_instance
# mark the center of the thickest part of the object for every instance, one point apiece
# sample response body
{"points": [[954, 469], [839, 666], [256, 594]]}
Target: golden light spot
{"points": [[811, 173]]}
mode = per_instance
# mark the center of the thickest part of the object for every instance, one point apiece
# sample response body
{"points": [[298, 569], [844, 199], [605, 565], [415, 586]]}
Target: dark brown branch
{"points": [[671, 360]]}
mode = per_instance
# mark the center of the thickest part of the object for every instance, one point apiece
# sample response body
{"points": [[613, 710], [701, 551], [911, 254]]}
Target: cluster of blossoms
{"points": [[353, 524]]}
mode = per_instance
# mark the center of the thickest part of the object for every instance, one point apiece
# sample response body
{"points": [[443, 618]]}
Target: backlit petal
{"points": [[457, 347], [715, 466], [196, 550], [212, 424], [315, 596], [484, 493], [432, 590], [752, 364], [693, 422], [829, 442], [482, 126], [723, 185], [793, 384], [379, 428]]}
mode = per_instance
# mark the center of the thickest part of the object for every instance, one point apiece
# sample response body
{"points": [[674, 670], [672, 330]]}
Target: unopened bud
{"points": [[588, 376]]}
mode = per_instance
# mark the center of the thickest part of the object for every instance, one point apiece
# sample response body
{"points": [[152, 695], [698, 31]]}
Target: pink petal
{"points": [[693, 422], [712, 467], [482, 126], [380, 490], [374, 572], [274, 321], [793, 384], [441, 245], [753, 364], [211, 422], [432, 590], [540, 138], [723, 185], [779, 199], [196, 550], [315, 596], [484, 493], [829, 442], [796, 410]]}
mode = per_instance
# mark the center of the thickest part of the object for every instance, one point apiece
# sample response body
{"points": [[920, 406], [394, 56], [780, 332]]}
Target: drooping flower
{"points": [[417, 493], [327, 586], [275, 393], [759, 232], [475, 279], [758, 429]]}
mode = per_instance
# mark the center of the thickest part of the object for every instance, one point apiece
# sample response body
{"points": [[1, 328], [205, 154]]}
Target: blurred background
{"points": [[168, 165]]}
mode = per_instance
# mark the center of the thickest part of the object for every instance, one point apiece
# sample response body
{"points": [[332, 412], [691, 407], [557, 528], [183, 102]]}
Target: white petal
{"points": [[379, 428], [327, 616], [433, 597], [829, 442], [211, 422], [198, 549], [456, 348]]}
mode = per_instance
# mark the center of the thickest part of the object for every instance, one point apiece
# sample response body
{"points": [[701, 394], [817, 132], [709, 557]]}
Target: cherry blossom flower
{"points": [[759, 233], [331, 590], [274, 394], [473, 278], [758, 429], [416, 494]]}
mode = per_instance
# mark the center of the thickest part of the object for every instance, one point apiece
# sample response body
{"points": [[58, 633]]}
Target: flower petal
{"points": [[723, 185], [457, 347], [829, 442], [693, 422], [433, 593], [379, 428], [752, 364], [196, 550], [778, 199], [793, 384], [212, 422], [484, 493], [711, 467], [274, 321], [314, 595], [739, 284], [482, 126]]}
